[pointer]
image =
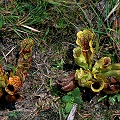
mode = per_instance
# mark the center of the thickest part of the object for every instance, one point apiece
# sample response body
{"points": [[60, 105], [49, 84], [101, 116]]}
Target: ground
{"points": [[52, 58]]}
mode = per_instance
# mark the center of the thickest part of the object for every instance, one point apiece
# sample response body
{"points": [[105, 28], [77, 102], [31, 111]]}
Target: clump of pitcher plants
{"points": [[101, 76]]}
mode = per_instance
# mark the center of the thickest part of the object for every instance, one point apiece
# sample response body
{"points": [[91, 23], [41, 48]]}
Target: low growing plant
{"points": [[103, 75], [98, 75], [69, 100], [11, 83]]}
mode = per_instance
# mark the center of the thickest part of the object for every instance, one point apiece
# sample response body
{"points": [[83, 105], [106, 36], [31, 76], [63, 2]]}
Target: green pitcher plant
{"points": [[103, 75]]}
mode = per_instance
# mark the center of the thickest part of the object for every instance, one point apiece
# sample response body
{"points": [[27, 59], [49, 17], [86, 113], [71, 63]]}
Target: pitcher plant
{"points": [[94, 76], [12, 83], [102, 75]]}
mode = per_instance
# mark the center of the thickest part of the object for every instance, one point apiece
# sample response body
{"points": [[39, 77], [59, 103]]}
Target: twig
{"points": [[4, 56], [72, 112], [31, 115], [8, 53], [38, 89], [113, 10], [30, 28]]}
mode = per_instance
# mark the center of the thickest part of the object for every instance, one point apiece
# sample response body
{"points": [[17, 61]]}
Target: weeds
{"points": [[112, 98], [69, 100], [13, 115], [58, 65]]}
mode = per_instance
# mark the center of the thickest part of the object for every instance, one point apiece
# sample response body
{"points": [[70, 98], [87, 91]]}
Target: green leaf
{"points": [[12, 68], [118, 97], [69, 93], [62, 112], [46, 33], [102, 98], [66, 98], [78, 100], [51, 82], [76, 92], [68, 107], [1, 21], [112, 99]]}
